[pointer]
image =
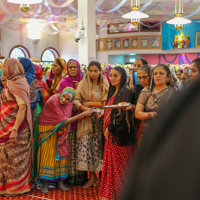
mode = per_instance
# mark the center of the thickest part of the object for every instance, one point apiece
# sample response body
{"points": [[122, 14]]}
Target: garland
{"points": [[169, 61], [188, 60]]}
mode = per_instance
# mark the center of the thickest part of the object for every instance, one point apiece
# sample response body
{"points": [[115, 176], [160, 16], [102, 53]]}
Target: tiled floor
{"points": [[74, 193]]}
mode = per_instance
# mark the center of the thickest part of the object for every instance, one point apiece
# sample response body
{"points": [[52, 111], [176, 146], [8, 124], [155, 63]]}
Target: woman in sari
{"points": [[91, 92], [72, 80], [57, 73], [195, 70], [118, 131], [15, 131], [43, 86], [36, 99], [54, 126], [152, 98], [106, 72], [134, 77]]}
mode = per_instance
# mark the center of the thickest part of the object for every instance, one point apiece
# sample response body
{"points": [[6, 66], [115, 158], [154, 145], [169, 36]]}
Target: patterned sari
{"points": [[15, 159]]}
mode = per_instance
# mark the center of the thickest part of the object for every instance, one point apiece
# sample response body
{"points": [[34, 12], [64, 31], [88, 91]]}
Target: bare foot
{"points": [[90, 182]]}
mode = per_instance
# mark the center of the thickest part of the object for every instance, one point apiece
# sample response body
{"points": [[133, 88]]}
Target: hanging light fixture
{"points": [[179, 21], [135, 15], [25, 4]]}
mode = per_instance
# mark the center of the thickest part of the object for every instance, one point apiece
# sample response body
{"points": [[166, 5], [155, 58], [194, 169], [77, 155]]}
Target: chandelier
{"points": [[25, 4], [179, 21], [135, 15]]}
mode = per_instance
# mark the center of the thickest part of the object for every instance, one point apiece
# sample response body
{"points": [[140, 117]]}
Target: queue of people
{"points": [[75, 130]]}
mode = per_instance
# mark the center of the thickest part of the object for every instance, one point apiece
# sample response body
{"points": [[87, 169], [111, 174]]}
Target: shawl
{"points": [[29, 69], [108, 68], [167, 165], [17, 84], [68, 81], [121, 122], [49, 80], [84, 94], [43, 86]]}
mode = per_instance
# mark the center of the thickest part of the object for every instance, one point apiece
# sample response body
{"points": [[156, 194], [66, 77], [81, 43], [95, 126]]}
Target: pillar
{"points": [[87, 43]]}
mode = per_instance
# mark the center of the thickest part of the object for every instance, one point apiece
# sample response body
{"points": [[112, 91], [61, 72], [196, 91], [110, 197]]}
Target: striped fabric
{"points": [[47, 167]]}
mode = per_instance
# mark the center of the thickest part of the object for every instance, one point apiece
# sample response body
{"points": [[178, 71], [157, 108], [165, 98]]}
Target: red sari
{"points": [[15, 159], [115, 163]]}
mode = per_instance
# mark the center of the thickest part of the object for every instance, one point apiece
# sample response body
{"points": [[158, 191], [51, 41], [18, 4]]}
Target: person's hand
{"points": [[76, 83], [87, 113], [13, 137], [106, 134], [59, 143], [87, 104], [152, 114], [100, 114]]}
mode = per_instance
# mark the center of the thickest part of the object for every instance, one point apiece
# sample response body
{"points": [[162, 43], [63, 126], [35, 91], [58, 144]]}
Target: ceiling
{"points": [[158, 10]]}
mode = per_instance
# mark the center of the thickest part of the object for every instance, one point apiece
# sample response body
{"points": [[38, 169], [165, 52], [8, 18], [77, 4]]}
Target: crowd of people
{"points": [[78, 128]]}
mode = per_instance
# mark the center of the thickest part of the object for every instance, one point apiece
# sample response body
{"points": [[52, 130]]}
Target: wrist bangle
{"points": [[149, 115], [15, 129]]}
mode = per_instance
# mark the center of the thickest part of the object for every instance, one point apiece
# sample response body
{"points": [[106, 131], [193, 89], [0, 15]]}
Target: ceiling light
{"points": [[178, 21], [24, 4], [135, 15]]}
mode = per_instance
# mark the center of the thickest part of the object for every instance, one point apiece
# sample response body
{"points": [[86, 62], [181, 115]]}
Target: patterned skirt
{"points": [[89, 149], [15, 164], [75, 177], [48, 168], [116, 163]]}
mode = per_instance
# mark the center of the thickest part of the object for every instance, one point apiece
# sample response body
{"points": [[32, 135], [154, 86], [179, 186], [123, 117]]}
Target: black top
{"points": [[121, 123]]}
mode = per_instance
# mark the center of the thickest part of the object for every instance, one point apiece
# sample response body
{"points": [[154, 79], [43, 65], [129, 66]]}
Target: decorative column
{"points": [[87, 43]]}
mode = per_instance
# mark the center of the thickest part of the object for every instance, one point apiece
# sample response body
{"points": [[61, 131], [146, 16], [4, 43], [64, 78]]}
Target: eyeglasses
{"points": [[72, 67], [183, 79], [143, 77], [114, 76]]}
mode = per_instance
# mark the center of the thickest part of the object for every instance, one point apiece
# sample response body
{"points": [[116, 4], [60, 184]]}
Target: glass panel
{"points": [[48, 56], [16, 53]]}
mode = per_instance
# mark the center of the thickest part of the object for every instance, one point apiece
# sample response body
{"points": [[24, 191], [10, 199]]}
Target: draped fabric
{"points": [[121, 122], [68, 82], [15, 159], [116, 162], [45, 91], [52, 162], [84, 93]]}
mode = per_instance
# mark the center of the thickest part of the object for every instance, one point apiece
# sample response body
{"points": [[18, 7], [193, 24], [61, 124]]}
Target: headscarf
{"points": [[70, 91], [49, 80], [17, 84], [29, 69], [84, 88], [38, 71], [54, 112], [121, 124], [108, 68], [68, 81]]}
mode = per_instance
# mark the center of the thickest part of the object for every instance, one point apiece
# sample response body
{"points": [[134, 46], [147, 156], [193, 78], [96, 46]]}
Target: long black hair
{"points": [[112, 88]]}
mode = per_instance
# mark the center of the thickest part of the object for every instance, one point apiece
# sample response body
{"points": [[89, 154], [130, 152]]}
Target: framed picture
{"points": [[144, 42], [156, 42], [126, 42], [117, 43], [135, 42], [101, 44], [122, 28], [109, 44], [150, 27], [197, 41]]}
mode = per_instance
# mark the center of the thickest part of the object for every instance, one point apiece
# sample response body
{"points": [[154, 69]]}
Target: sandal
{"points": [[96, 184], [90, 183]]}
